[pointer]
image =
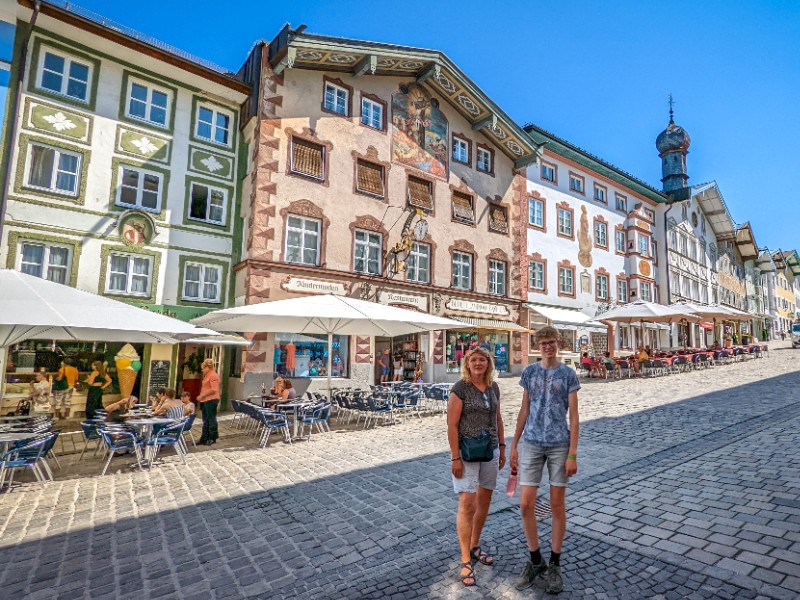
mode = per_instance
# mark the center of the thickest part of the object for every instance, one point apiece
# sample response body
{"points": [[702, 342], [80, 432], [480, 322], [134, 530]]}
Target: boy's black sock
{"points": [[536, 557], [555, 558]]}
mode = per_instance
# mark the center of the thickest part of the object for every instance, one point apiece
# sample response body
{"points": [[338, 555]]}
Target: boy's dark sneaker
{"points": [[554, 582], [529, 574]]}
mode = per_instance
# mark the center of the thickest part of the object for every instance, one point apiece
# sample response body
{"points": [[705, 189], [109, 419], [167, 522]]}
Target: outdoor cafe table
{"points": [[295, 406], [146, 426], [8, 438]]}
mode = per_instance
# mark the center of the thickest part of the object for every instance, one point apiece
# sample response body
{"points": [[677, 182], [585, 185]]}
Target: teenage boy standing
{"points": [[546, 433]]}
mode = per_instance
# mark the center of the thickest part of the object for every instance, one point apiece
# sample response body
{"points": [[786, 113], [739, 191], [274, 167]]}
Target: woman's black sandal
{"points": [[478, 555], [470, 575]]}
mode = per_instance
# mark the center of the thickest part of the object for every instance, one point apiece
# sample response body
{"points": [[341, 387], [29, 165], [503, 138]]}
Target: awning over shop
{"points": [[490, 323], [218, 340], [566, 318]]}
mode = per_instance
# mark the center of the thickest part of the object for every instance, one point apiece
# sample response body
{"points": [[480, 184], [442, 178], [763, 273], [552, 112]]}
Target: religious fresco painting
{"points": [[419, 131]]}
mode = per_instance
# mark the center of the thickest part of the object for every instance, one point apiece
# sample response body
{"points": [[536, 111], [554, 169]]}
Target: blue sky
{"points": [[595, 73]]}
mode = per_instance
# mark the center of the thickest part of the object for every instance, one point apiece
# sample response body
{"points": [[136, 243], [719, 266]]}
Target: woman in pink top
{"points": [[209, 400]]}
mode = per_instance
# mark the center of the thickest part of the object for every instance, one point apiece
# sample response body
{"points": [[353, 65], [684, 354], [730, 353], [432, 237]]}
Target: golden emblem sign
{"points": [[644, 268]]}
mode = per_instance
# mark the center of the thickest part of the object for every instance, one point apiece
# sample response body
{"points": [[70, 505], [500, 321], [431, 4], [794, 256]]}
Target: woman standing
{"points": [[98, 382], [474, 407], [209, 399], [397, 365]]}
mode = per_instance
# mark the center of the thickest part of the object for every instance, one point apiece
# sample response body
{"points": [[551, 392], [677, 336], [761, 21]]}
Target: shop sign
{"points": [[477, 307], [183, 313], [313, 286], [418, 302]]}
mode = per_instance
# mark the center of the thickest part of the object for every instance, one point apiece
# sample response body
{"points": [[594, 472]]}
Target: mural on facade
{"points": [[419, 131], [584, 241]]}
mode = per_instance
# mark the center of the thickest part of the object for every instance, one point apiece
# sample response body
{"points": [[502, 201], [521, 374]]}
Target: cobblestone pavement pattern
{"points": [[688, 488]]}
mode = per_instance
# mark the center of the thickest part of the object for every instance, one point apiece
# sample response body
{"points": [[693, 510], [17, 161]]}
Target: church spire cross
{"points": [[671, 104]]}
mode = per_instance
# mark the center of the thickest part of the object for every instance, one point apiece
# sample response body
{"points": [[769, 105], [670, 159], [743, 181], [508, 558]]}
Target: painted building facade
{"points": [[354, 144], [123, 168], [591, 244]]}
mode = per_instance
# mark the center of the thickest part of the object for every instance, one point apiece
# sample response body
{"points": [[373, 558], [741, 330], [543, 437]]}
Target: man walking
{"points": [[547, 433]]}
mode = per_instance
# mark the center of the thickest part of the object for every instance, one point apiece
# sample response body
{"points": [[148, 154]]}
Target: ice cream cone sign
{"points": [[126, 374]]}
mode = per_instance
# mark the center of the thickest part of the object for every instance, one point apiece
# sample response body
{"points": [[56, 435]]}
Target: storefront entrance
{"points": [[403, 360]]}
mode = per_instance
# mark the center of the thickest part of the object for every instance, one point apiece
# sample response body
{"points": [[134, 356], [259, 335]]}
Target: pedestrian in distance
{"points": [[98, 381], [384, 362], [397, 367], [473, 414], [208, 398], [546, 434]]}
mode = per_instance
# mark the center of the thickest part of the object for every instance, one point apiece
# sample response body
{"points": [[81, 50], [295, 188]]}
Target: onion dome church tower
{"points": [[673, 146]]}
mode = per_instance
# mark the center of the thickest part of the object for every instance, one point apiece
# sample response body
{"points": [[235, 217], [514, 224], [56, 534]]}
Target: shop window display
{"points": [[304, 355], [459, 342]]}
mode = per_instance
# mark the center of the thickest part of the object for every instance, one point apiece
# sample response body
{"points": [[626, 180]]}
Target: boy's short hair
{"points": [[186, 393], [546, 333]]}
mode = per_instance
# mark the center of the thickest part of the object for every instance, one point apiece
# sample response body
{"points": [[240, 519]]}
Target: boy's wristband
{"points": [[572, 457]]}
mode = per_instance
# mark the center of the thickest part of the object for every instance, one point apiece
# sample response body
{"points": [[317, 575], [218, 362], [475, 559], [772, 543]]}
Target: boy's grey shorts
{"points": [[532, 459], [483, 474]]}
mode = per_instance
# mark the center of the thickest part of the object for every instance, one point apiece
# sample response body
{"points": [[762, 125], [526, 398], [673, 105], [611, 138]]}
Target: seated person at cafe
{"points": [[288, 393], [117, 410], [642, 354], [188, 405], [172, 407], [608, 363], [586, 362], [159, 398], [277, 386], [40, 394]]}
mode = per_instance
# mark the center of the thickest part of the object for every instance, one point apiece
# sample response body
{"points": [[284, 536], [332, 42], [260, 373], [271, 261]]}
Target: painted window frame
{"points": [[226, 197], [45, 266], [28, 164], [487, 151], [340, 86], [494, 284], [151, 86], [620, 249], [623, 200], [42, 41], [623, 293], [600, 224], [318, 247], [604, 190], [140, 188], [562, 270], [369, 244], [457, 265], [561, 231], [68, 59], [553, 168], [577, 183], [415, 252], [646, 285], [602, 277], [644, 245], [532, 201], [540, 263], [216, 110], [367, 116], [202, 283], [467, 143], [130, 256]]}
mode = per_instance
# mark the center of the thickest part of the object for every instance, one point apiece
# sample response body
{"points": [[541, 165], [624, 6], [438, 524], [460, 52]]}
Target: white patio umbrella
{"points": [[646, 312], [325, 314], [34, 308]]}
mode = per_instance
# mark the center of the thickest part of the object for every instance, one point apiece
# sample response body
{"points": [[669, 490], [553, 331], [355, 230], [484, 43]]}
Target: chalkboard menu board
{"points": [[159, 375]]}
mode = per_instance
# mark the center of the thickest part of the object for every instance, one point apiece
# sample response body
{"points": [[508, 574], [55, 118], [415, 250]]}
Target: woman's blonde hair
{"points": [[100, 367], [489, 375], [208, 363]]}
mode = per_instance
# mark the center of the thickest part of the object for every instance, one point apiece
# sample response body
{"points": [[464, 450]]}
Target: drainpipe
{"points": [[21, 68], [669, 203]]}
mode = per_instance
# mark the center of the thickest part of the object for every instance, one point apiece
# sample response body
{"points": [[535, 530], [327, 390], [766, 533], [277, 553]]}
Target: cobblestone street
{"points": [[688, 488]]}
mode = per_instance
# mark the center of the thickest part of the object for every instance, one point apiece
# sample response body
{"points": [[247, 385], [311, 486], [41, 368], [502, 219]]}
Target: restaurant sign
{"points": [[313, 286], [477, 307], [393, 298]]}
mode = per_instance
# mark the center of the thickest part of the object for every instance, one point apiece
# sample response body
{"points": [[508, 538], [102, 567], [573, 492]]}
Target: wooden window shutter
{"points": [[463, 210], [370, 178], [308, 158], [420, 193]]}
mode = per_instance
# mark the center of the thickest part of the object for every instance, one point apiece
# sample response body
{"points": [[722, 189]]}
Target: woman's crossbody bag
{"points": [[477, 449]]}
